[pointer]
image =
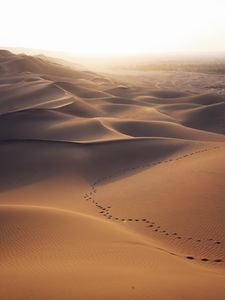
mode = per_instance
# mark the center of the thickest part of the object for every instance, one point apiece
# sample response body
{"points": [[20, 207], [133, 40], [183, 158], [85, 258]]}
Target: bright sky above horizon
{"points": [[107, 27]]}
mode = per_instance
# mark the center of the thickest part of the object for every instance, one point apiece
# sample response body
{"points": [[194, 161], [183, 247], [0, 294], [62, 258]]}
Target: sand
{"points": [[112, 185]]}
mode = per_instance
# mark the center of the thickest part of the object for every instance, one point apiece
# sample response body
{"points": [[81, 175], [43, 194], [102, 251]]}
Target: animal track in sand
{"points": [[104, 211]]}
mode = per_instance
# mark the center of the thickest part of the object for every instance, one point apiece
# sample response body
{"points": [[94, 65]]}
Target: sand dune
{"points": [[206, 117], [209, 118], [164, 129], [111, 187]]}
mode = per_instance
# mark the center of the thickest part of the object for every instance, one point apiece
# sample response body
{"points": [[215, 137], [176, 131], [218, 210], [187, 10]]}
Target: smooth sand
{"points": [[112, 186]]}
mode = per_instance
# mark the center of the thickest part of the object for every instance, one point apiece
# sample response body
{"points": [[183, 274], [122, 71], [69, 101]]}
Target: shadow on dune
{"points": [[24, 162]]}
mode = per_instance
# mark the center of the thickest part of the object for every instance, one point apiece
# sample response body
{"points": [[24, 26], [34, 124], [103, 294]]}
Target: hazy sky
{"points": [[113, 26]]}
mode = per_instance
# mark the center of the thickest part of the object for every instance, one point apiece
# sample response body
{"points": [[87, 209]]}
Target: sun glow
{"points": [[106, 27]]}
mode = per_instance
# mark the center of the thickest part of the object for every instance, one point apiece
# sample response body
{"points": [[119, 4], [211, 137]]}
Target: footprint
{"points": [[190, 257], [204, 259]]}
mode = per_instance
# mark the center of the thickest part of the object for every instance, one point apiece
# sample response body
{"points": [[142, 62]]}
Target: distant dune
{"points": [[112, 185]]}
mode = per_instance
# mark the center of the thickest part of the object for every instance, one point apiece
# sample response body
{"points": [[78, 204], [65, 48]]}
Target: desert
{"points": [[112, 183]]}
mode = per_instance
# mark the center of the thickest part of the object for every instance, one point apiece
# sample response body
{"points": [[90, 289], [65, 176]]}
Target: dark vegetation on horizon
{"points": [[202, 67]]}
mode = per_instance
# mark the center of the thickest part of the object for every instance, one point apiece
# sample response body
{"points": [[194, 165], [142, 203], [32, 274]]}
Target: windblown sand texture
{"points": [[112, 186]]}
